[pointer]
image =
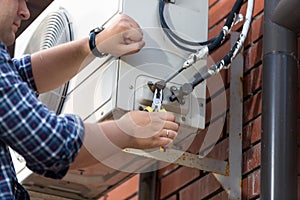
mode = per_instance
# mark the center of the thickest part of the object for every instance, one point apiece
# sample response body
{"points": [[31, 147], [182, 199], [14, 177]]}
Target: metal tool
{"points": [[157, 106]]}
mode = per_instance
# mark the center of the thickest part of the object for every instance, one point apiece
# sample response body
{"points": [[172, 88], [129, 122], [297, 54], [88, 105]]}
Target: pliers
{"points": [[156, 102], [157, 106]]}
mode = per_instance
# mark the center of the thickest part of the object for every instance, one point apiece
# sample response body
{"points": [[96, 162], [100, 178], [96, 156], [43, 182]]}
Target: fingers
{"points": [[121, 36], [168, 116], [167, 133], [133, 35], [149, 129], [167, 120], [167, 137], [132, 40], [132, 48]]}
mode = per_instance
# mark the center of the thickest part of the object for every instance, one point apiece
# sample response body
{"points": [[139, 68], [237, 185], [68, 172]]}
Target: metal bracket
{"points": [[228, 173], [183, 158], [232, 183]]}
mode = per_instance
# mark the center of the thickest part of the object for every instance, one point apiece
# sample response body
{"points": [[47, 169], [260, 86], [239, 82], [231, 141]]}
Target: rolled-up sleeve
{"points": [[48, 142]]}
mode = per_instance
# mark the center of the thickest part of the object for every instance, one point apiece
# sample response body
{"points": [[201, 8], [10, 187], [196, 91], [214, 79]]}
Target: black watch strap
{"points": [[92, 42]]}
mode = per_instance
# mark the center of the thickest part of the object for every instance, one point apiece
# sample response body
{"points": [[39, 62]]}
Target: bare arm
{"points": [[136, 129], [53, 67]]}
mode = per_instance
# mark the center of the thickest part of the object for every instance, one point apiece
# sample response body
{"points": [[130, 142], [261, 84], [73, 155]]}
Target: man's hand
{"points": [[121, 36], [136, 129], [148, 129]]}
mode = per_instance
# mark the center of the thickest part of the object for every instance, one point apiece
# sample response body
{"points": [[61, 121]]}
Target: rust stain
{"points": [[227, 170]]}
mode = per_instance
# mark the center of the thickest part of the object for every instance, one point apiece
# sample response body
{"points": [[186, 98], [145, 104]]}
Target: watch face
{"points": [[97, 30]]}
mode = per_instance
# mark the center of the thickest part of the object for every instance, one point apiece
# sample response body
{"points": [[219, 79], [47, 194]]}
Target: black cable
{"points": [[214, 42], [187, 88], [179, 45], [165, 26], [228, 25]]}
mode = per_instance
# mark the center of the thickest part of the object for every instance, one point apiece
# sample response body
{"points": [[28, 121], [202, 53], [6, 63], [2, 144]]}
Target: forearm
{"points": [[100, 142], [136, 129], [55, 66]]}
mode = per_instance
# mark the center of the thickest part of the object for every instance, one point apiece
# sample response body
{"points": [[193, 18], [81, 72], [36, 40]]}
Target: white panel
{"points": [[94, 92], [160, 58]]}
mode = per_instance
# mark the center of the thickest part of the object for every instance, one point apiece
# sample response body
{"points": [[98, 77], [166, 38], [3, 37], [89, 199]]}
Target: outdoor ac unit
{"points": [[109, 87]]}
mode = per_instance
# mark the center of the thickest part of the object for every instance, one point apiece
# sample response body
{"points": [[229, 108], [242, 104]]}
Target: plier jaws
{"points": [[157, 100]]}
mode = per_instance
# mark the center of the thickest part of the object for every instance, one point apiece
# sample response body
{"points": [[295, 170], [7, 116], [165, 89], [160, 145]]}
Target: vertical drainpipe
{"points": [[148, 186], [279, 110]]}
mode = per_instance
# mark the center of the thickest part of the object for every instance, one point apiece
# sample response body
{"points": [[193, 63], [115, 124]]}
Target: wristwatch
{"points": [[92, 42]]}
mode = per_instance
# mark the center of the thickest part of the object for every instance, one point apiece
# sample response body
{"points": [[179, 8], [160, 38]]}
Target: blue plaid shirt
{"points": [[48, 142]]}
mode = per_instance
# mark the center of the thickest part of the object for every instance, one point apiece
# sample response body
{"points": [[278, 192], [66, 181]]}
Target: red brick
{"points": [[201, 188], [219, 11], [216, 29], [221, 196], [258, 7], [252, 81], [197, 142], [251, 185], [216, 85], [253, 55], [218, 128], [125, 190], [256, 30], [220, 151], [252, 133], [174, 197], [252, 107], [251, 158], [217, 106], [177, 179], [219, 53], [136, 197], [167, 170]]}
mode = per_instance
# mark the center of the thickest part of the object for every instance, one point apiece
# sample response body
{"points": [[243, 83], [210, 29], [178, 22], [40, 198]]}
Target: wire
{"points": [[213, 43], [171, 33], [230, 21], [227, 59], [224, 63]]}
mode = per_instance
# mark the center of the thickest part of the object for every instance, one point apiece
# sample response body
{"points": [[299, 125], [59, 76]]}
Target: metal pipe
{"points": [[147, 186], [287, 14], [279, 106]]}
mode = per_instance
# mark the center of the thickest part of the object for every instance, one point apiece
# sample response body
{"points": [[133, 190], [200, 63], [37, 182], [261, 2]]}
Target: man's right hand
{"points": [[121, 36], [148, 129]]}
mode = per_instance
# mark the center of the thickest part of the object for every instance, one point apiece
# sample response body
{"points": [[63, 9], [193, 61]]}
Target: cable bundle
{"points": [[211, 44], [207, 47]]}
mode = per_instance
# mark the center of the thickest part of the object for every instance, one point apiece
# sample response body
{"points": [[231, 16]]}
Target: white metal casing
{"points": [[110, 86]]}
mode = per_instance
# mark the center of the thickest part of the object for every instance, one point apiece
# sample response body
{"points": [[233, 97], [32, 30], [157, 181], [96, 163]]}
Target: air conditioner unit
{"points": [[109, 87]]}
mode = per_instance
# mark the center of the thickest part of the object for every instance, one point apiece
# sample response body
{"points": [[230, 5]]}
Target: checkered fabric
{"points": [[48, 142]]}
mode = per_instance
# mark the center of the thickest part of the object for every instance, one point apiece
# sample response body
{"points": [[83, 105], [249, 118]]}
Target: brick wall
{"points": [[201, 185], [126, 191], [181, 183]]}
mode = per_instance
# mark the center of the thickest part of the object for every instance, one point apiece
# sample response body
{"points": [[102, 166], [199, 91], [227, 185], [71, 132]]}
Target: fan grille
{"points": [[55, 29]]}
